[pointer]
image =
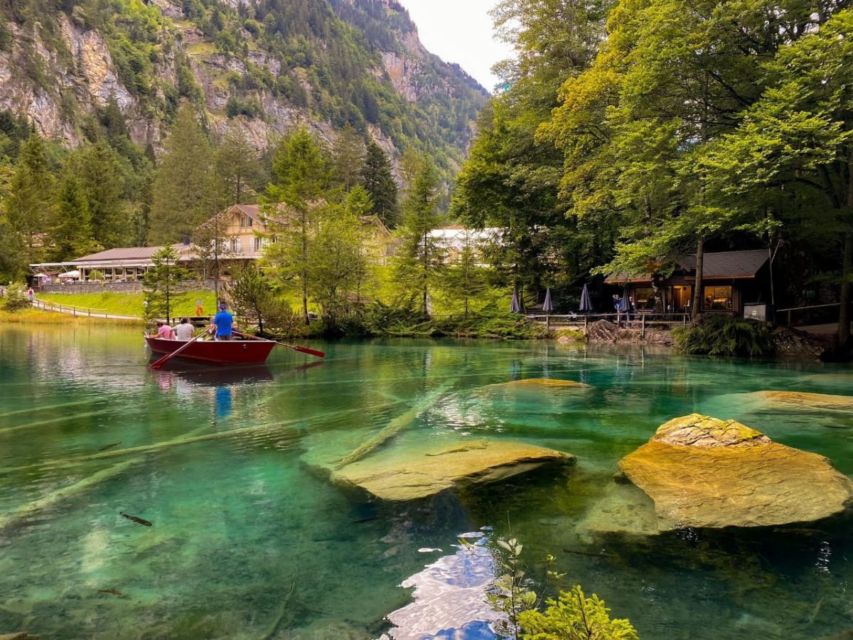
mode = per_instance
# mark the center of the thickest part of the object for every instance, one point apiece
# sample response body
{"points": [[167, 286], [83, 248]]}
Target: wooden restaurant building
{"points": [[730, 280]]}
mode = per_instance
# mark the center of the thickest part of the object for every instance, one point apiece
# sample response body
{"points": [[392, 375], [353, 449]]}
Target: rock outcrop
{"points": [[409, 474], [705, 472]]}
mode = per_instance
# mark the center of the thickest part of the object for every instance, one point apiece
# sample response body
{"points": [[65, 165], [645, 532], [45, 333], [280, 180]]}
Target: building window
{"points": [[680, 298], [259, 243], [718, 298], [235, 245], [245, 221], [644, 298]]}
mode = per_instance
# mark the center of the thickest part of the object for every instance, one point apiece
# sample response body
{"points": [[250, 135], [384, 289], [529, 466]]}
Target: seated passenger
{"points": [[164, 331], [185, 330]]}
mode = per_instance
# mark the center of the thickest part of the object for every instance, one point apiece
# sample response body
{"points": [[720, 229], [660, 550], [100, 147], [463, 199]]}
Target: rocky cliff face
{"points": [[259, 66]]}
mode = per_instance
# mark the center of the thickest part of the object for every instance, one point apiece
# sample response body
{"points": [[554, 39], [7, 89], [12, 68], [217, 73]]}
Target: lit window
{"points": [[719, 298]]}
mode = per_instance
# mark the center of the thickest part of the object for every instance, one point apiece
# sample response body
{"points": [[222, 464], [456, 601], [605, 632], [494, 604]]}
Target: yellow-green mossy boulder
{"points": [[805, 400], [418, 473], [706, 472]]}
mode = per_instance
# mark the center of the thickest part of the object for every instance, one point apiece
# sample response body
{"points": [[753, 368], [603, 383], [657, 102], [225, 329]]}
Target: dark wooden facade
{"points": [[731, 279]]}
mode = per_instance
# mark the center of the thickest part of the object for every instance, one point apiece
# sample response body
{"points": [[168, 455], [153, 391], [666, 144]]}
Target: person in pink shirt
{"points": [[164, 331]]}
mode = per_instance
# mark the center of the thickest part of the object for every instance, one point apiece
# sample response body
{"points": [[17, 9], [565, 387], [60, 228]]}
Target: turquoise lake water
{"points": [[250, 541]]}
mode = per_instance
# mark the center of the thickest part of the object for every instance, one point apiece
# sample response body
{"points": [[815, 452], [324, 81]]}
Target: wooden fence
{"points": [[640, 320], [81, 312]]}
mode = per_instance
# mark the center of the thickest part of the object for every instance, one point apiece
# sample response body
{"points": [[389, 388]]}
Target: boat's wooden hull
{"points": [[224, 352]]}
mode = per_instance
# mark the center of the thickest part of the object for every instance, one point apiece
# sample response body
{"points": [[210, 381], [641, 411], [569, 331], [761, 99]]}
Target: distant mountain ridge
{"points": [[260, 66]]}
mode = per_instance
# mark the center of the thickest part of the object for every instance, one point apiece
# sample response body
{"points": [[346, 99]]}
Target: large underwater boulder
{"points": [[706, 472], [805, 400], [536, 384], [412, 473]]}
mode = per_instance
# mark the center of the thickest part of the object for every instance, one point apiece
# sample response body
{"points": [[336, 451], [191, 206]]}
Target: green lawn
{"points": [[129, 304]]}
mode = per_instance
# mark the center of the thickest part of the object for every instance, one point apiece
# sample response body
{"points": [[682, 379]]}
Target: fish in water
{"points": [[136, 519], [110, 446], [112, 592]]}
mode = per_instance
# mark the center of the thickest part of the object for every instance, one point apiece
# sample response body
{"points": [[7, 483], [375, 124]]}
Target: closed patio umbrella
{"points": [[548, 305], [514, 306], [586, 302]]}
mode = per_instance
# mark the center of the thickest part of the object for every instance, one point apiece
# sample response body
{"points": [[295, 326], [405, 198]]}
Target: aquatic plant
{"points": [[574, 616], [719, 335], [510, 594]]}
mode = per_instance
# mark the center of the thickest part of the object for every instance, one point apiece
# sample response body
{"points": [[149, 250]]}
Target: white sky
{"points": [[460, 31]]}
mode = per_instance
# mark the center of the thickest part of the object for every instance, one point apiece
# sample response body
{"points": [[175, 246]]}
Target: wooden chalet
{"points": [[730, 280]]}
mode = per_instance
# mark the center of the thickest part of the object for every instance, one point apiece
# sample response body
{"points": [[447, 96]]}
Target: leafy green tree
{"points": [[339, 264], [161, 283], [377, 179], [252, 296], [184, 189], [511, 178], [797, 140], [72, 228], [301, 177], [420, 258], [29, 206]]}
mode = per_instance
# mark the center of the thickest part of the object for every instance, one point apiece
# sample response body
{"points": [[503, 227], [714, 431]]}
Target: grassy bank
{"points": [[38, 316], [129, 304]]}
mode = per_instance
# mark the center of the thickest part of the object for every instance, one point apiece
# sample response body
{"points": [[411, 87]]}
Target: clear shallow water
{"points": [[249, 541]]}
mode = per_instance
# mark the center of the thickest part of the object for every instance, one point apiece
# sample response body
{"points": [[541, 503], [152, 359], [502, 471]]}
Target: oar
{"points": [[295, 347], [159, 363]]}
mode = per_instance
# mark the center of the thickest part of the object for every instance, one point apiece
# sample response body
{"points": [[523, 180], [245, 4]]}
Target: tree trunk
{"points": [[844, 299], [696, 311], [305, 268], [846, 264]]}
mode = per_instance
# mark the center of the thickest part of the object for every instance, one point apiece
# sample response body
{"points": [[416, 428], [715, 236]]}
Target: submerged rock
{"points": [[409, 474], [705, 472], [804, 400], [539, 383]]}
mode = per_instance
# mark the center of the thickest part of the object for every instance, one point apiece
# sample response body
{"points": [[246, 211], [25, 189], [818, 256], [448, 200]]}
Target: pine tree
{"points": [[161, 283], [377, 179], [465, 278], [420, 260], [72, 228], [30, 202], [103, 181], [184, 193], [238, 170], [348, 157]]}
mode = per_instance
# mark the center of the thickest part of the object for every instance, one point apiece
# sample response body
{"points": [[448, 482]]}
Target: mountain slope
{"points": [[257, 65]]}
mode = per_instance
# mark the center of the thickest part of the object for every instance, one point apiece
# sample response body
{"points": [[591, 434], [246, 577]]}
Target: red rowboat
{"points": [[215, 352]]}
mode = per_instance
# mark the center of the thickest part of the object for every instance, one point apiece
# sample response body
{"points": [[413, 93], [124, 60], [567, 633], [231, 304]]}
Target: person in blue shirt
{"points": [[223, 323]]}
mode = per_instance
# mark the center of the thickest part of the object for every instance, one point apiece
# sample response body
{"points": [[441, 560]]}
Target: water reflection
{"points": [[449, 598]]}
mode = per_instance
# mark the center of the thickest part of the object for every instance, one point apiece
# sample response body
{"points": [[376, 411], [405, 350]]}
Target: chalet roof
{"points": [[728, 264], [718, 265], [129, 253]]}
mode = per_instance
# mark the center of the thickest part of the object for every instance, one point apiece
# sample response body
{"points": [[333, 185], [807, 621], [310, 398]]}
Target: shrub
{"points": [[718, 335], [15, 298]]}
